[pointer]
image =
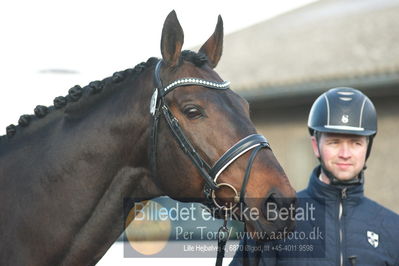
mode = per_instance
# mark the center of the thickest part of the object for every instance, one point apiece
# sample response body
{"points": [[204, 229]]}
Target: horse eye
{"points": [[192, 112]]}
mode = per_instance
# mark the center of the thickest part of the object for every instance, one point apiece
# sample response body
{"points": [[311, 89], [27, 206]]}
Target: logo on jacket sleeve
{"points": [[372, 238]]}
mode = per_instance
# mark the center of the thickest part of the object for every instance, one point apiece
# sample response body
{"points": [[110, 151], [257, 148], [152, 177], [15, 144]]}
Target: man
{"points": [[341, 226]]}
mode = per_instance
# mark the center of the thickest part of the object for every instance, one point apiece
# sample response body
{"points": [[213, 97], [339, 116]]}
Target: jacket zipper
{"points": [[341, 213]]}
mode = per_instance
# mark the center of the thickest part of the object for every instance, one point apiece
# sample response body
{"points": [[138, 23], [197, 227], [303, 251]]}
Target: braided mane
{"points": [[82, 94]]}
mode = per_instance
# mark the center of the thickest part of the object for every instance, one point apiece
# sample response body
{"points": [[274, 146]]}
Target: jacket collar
{"points": [[319, 189]]}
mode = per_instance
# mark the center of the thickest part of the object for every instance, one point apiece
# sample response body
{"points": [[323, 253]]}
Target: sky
{"points": [[49, 46]]}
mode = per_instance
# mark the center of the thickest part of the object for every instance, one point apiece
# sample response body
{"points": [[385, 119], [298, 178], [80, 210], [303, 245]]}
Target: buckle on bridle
{"points": [[154, 101], [236, 197]]}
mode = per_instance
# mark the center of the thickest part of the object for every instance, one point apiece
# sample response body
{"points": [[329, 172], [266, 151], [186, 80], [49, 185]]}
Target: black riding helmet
{"points": [[346, 111]]}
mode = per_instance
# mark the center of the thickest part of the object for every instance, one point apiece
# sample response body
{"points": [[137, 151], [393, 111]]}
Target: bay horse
{"points": [[144, 132]]}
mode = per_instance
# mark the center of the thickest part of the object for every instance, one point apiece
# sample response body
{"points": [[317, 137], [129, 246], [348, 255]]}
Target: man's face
{"points": [[343, 155]]}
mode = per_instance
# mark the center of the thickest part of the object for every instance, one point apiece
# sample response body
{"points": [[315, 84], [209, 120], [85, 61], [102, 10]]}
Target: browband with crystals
{"points": [[195, 81], [161, 91]]}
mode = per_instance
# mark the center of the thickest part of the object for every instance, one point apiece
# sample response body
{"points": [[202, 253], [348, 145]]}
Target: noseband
{"points": [[253, 142]]}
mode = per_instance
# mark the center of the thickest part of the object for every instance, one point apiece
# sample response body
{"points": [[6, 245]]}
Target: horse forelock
{"points": [[198, 59], [77, 94]]}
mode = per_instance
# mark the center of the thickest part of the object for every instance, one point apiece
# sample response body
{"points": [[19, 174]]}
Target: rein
{"points": [[254, 142]]}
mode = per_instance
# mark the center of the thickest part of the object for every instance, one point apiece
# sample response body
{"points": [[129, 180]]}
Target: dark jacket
{"points": [[351, 230]]}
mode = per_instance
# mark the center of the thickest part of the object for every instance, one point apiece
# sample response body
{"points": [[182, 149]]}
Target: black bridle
{"points": [[254, 142]]}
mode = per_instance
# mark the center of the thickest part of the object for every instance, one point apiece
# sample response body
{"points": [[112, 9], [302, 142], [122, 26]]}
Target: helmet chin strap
{"points": [[356, 180]]}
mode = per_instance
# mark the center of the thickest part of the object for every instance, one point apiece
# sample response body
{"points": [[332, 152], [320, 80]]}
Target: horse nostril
{"points": [[270, 208]]}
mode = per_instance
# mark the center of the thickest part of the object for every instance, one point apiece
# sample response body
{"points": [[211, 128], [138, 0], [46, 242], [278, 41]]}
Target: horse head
{"points": [[206, 146]]}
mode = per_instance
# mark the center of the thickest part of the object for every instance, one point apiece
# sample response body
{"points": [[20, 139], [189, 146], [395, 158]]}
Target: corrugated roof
{"points": [[325, 43]]}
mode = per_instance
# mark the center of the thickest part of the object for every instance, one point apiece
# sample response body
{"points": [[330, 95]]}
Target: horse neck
{"points": [[118, 130], [87, 162], [92, 139]]}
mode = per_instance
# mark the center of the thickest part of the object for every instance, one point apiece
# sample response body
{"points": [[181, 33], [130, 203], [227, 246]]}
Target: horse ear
{"points": [[172, 40], [213, 47]]}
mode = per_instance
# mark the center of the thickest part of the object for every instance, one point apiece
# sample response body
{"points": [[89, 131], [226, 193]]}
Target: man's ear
{"points": [[315, 147]]}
